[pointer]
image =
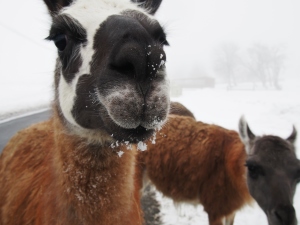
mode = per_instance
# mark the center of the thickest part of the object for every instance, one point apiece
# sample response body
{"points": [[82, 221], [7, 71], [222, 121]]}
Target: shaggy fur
{"points": [[197, 163], [58, 179]]}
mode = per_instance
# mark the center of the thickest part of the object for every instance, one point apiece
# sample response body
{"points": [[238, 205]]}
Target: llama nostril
{"points": [[130, 60], [125, 68]]}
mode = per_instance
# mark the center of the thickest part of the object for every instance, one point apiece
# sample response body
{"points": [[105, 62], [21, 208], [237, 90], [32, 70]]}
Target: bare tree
{"points": [[277, 64], [265, 63], [226, 61]]}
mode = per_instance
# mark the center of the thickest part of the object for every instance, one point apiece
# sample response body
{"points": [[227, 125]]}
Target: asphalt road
{"points": [[8, 129]]}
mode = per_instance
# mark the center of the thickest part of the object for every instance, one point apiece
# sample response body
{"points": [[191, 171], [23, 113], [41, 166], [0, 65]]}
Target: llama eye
{"points": [[60, 41], [254, 171]]}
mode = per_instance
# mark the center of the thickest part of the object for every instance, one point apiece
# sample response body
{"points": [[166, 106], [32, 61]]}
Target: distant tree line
{"points": [[257, 63]]}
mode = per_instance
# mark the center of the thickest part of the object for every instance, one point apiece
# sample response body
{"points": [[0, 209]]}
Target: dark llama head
{"points": [[273, 173], [110, 78]]}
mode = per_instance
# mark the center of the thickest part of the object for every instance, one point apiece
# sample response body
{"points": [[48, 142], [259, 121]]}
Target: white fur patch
{"points": [[66, 95]]}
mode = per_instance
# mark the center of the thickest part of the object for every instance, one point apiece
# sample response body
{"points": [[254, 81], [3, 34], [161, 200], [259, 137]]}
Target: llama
{"points": [[177, 108], [111, 91], [197, 163], [273, 173]]}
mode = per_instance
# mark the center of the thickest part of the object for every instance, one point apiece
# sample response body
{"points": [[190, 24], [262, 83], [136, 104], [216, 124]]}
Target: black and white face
{"points": [[110, 75]]}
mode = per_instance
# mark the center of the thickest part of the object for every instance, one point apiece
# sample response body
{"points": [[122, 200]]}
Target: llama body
{"points": [[273, 173], [198, 163], [76, 168]]}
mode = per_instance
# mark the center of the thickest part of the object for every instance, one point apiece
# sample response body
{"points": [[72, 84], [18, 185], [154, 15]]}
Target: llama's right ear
{"points": [[55, 5], [293, 136], [246, 134], [150, 5]]}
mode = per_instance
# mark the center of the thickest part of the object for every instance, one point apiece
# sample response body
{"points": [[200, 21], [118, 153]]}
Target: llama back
{"points": [[227, 181], [199, 163], [181, 152], [178, 109]]}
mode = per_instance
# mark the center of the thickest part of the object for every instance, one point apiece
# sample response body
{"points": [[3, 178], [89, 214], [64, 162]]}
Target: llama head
{"points": [[110, 75], [249, 138], [273, 172]]}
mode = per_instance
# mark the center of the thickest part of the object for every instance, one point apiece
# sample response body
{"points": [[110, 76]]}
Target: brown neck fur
{"points": [[61, 179], [97, 183]]}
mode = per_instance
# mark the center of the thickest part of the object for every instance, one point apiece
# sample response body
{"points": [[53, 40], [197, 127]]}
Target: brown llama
{"points": [[110, 92], [177, 108], [273, 173], [197, 163]]}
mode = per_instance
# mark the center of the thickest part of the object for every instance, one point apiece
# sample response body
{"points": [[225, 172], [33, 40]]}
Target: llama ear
{"points": [[55, 5], [246, 134], [293, 136], [150, 5]]}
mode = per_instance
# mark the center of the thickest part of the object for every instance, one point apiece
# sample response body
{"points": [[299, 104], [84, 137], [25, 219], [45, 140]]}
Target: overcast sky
{"points": [[197, 27], [194, 27]]}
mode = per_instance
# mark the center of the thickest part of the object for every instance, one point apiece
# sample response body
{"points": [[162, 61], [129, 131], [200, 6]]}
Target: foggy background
{"points": [[244, 44], [233, 41]]}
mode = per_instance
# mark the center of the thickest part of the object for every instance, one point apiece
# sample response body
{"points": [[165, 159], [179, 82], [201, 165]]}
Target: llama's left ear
{"points": [[150, 5], [55, 5], [246, 134], [293, 136]]}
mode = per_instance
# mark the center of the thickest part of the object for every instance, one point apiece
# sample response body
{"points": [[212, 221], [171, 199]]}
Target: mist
{"points": [[197, 31]]}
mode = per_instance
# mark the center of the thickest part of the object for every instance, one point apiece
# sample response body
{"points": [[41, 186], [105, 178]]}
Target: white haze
{"points": [[197, 27]]}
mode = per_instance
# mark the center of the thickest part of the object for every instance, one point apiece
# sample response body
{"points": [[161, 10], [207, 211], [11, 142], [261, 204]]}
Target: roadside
{"points": [[5, 117], [13, 125]]}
